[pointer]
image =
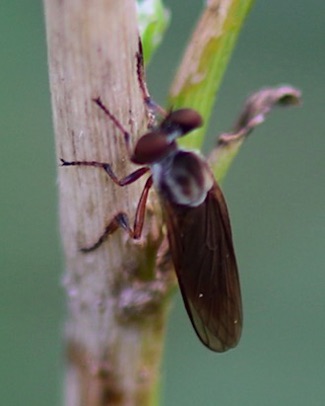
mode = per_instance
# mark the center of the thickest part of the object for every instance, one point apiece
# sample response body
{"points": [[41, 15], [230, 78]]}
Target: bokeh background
{"points": [[275, 192]]}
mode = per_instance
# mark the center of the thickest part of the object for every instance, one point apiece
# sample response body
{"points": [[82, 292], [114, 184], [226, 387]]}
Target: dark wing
{"points": [[203, 255]]}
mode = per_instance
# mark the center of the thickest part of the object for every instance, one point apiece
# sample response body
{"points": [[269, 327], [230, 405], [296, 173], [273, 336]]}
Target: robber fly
{"points": [[197, 220]]}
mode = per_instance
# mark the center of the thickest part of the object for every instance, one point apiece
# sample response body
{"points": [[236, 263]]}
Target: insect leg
{"points": [[152, 107], [141, 74], [127, 180], [117, 123], [140, 213], [121, 220]]}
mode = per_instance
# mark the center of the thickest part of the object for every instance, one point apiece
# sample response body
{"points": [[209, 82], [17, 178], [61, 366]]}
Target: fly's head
{"points": [[161, 141]]}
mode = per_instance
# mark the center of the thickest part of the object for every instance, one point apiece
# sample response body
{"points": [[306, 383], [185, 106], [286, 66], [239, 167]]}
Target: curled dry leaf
{"points": [[260, 103], [254, 112]]}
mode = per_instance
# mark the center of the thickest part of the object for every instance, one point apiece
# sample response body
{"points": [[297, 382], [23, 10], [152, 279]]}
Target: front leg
{"points": [[121, 219], [127, 180]]}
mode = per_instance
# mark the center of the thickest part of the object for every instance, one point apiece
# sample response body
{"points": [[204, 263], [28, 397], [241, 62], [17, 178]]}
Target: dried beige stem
{"points": [[92, 48]]}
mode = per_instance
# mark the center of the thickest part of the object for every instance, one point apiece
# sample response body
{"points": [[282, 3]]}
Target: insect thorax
{"points": [[183, 177]]}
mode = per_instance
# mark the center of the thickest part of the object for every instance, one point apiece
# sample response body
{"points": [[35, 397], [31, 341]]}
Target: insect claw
{"points": [[86, 249], [123, 221], [97, 100]]}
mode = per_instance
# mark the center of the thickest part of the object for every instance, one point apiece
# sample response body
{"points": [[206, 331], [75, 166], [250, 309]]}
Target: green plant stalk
{"points": [[224, 156], [199, 77]]}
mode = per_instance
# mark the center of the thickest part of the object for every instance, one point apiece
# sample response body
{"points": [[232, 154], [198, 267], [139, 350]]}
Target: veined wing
{"points": [[203, 255]]}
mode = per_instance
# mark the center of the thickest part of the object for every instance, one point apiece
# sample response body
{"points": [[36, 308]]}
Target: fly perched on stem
{"points": [[195, 212], [197, 220]]}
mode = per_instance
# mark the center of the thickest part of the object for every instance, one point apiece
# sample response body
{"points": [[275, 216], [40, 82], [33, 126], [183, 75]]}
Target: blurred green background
{"points": [[275, 192]]}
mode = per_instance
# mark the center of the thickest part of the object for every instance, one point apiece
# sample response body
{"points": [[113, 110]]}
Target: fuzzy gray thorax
{"points": [[183, 177]]}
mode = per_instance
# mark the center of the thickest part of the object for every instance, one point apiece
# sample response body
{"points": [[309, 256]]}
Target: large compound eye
{"points": [[152, 147], [182, 120]]}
